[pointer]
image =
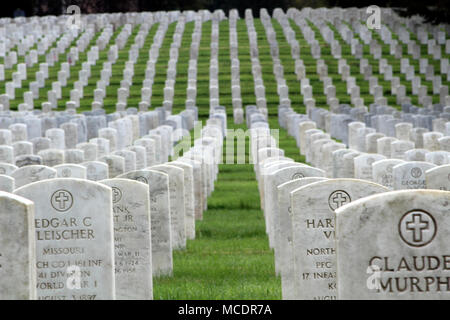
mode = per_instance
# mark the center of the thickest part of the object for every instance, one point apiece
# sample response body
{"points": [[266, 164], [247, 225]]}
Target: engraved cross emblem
{"points": [[416, 225], [417, 228], [339, 199], [61, 199]]}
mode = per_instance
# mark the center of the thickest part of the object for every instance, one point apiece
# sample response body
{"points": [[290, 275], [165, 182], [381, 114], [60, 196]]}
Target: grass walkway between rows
{"points": [[230, 257]]}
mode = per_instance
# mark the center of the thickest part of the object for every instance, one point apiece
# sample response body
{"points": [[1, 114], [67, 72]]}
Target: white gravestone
{"points": [[287, 250], [382, 172], [18, 248], [363, 165], [394, 246], [176, 193], [96, 170], [158, 182], [74, 239], [313, 228], [271, 210], [438, 178], [410, 175], [132, 239], [70, 171], [189, 201], [34, 173]]}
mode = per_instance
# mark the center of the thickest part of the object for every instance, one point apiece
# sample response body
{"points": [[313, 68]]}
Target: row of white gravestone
{"points": [[363, 137], [99, 93], [273, 169], [214, 66], [102, 166], [41, 32], [304, 230], [261, 101], [191, 91], [351, 239], [238, 112], [171, 71], [306, 89], [282, 88], [86, 138], [299, 206], [352, 88], [182, 204], [106, 72], [401, 172], [390, 19], [260, 90], [146, 90], [280, 10], [114, 253], [278, 69], [63, 74]]}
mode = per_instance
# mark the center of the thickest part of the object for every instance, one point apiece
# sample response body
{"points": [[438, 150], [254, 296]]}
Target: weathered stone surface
{"points": [[29, 174], [286, 254], [158, 183], [74, 238], [189, 200], [70, 171], [363, 165], [394, 246], [116, 165], [176, 193], [382, 172], [7, 183], [198, 185], [132, 239], [266, 168], [17, 248], [96, 170], [7, 168], [438, 178], [271, 211], [28, 160], [52, 157], [410, 175], [313, 232]]}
